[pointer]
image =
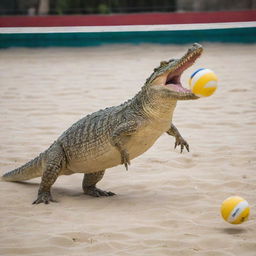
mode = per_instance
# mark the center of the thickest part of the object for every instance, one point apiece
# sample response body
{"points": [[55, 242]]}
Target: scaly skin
{"points": [[114, 135]]}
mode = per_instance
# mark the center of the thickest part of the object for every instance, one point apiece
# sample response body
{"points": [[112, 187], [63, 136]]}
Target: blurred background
{"points": [[60, 7]]}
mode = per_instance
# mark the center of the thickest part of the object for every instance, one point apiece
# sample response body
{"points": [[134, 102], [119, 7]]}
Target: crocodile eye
{"points": [[171, 60], [163, 63]]}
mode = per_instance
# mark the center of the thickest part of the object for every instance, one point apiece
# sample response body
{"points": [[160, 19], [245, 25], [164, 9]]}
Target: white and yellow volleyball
{"points": [[235, 210], [203, 82]]}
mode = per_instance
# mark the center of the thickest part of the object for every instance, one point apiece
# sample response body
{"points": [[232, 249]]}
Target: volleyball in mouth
{"points": [[203, 82]]}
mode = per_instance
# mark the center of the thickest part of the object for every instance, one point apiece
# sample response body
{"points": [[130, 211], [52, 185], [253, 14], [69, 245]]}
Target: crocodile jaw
{"points": [[168, 75]]}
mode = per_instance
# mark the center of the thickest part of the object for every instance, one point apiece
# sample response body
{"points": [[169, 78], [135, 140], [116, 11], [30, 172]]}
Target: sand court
{"points": [[167, 203]]}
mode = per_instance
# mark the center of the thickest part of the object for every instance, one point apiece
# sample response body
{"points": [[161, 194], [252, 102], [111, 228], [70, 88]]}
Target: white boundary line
{"points": [[130, 28]]}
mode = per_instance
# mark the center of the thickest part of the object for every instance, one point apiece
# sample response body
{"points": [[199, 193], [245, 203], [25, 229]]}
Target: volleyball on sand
{"points": [[235, 210]]}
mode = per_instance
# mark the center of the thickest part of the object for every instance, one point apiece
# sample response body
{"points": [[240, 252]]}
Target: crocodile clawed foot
{"points": [[44, 197], [96, 192], [182, 143], [125, 159]]}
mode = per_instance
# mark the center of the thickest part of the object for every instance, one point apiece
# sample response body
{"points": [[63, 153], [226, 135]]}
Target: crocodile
{"points": [[114, 135]]}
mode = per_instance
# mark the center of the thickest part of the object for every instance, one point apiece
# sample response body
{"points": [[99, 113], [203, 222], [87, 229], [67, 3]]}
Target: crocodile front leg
{"points": [[118, 136], [173, 131]]}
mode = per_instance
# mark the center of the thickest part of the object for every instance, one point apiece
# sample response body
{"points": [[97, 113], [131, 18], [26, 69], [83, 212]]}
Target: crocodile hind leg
{"points": [[89, 184], [54, 160]]}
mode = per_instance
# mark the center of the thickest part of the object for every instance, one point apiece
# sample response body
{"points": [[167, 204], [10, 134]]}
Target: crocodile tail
{"points": [[30, 170]]}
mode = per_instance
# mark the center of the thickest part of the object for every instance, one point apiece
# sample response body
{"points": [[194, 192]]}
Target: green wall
{"points": [[79, 39]]}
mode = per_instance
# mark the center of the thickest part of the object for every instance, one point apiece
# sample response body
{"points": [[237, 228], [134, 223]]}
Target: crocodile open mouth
{"points": [[173, 77]]}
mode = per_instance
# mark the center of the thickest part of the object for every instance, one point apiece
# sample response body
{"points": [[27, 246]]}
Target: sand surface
{"points": [[167, 203]]}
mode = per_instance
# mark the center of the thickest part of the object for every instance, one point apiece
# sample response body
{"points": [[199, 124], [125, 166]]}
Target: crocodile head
{"points": [[166, 78]]}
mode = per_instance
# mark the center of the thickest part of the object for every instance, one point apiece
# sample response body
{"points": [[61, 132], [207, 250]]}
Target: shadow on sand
{"points": [[234, 231]]}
